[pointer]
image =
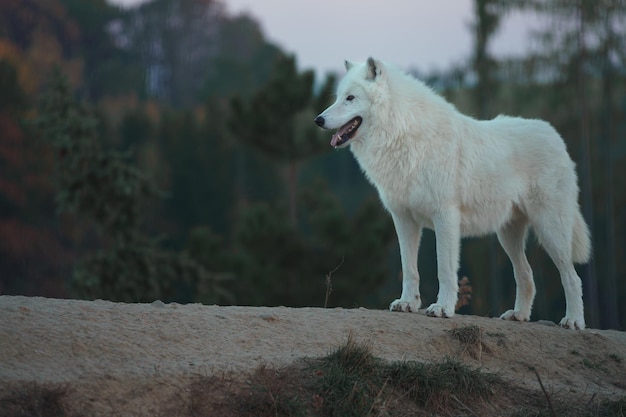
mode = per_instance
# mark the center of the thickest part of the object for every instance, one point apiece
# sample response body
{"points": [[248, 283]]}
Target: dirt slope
{"points": [[137, 359]]}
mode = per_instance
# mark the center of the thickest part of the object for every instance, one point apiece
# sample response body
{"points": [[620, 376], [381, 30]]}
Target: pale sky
{"points": [[413, 34]]}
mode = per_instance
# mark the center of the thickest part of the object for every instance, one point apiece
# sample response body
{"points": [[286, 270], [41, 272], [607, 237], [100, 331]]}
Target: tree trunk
{"points": [[610, 306], [485, 26], [588, 271]]}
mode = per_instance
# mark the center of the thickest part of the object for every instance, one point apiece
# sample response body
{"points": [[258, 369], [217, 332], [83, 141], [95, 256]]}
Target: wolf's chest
{"points": [[404, 182]]}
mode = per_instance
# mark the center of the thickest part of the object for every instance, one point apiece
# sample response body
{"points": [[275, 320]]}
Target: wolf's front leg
{"points": [[409, 234], [448, 234]]}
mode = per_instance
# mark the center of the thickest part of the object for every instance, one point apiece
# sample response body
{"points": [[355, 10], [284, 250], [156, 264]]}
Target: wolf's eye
{"points": [[350, 97]]}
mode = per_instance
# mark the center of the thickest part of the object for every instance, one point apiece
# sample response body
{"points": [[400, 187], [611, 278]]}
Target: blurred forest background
{"points": [[168, 152]]}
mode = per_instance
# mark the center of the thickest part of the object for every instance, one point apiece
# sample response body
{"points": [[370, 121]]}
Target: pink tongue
{"points": [[337, 136]]}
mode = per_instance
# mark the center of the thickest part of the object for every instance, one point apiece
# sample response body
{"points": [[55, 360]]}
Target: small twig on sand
{"points": [[466, 408], [546, 394], [329, 287]]}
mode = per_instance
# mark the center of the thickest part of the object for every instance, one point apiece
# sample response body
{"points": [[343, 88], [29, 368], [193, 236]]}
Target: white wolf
{"points": [[437, 168]]}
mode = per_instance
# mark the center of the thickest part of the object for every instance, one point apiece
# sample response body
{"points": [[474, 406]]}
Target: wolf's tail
{"points": [[581, 240]]}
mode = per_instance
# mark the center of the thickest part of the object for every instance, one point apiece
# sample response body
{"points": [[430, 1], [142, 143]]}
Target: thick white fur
{"points": [[437, 168]]}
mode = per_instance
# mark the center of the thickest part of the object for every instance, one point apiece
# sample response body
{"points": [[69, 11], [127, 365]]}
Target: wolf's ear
{"points": [[374, 68], [348, 64]]}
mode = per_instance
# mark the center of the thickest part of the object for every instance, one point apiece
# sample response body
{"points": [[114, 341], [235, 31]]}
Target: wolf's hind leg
{"points": [[512, 237], [555, 232]]}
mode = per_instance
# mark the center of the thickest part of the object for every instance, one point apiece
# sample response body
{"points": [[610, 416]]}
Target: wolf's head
{"points": [[351, 112]]}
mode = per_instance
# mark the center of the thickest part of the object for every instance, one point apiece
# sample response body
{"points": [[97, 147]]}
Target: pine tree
{"points": [[103, 188], [277, 121]]}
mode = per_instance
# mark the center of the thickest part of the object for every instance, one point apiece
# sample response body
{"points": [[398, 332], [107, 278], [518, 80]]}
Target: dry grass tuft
{"points": [[355, 383], [471, 340]]}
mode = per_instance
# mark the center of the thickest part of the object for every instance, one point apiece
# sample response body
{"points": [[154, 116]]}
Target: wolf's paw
{"points": [[515, 315], [408, 306], [572, 323], [437, 310]]}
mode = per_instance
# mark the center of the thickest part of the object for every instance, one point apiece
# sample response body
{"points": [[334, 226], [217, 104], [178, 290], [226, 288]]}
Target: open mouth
{"points": [[345, 133]]}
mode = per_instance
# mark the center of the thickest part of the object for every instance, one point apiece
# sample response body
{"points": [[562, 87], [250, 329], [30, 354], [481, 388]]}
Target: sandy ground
{"points": [[135, 359]]}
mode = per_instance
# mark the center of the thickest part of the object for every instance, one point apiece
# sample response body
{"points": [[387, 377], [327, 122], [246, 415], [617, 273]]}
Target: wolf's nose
{"points": [[319, 120]]}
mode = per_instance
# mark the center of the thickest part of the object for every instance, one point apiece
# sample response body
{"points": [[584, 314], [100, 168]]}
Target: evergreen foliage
{"points": [[276, 120], [96, 184], [100, 186]]}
